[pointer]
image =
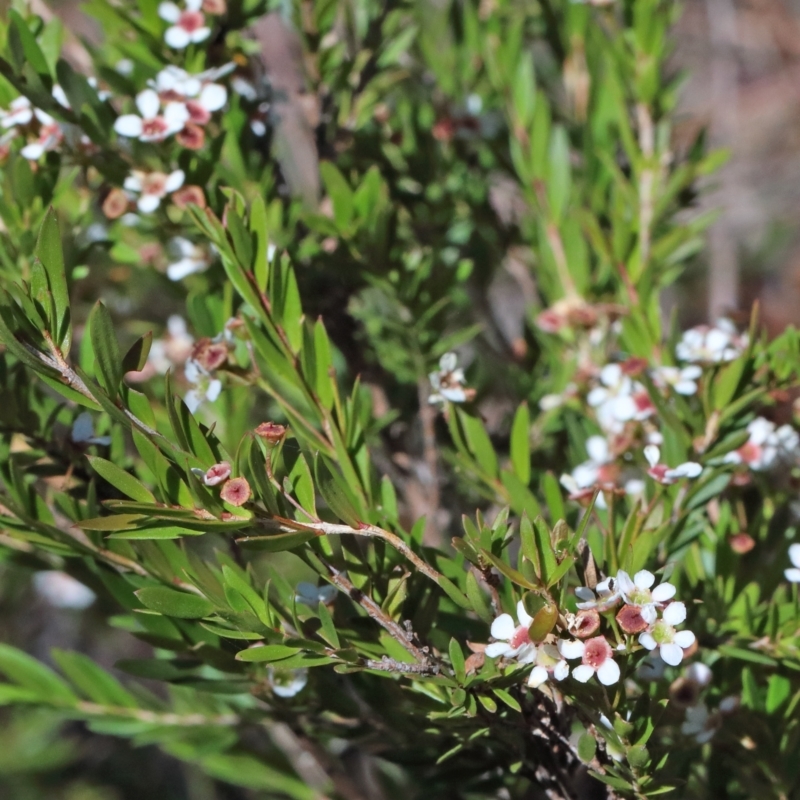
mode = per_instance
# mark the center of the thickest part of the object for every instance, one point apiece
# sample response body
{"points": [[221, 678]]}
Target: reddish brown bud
{"points": [[236, 492], [741, 543], [585, 623], [271, 431], [218, 473], [210, 355], [630, 619], [189, 195], [115, 204], [192, 137]]}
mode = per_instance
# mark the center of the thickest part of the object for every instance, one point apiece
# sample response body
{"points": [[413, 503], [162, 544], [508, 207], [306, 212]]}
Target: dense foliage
{"points": [[245, 249]]}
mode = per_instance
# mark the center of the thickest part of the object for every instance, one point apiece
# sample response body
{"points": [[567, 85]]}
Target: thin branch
{"points": [[387, 664], [157, 717]]}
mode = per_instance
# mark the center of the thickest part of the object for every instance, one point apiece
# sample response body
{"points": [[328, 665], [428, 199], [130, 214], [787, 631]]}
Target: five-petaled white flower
{"points": [[662, 634], [597, 658], [549, 662], [700, 724], [711, 345], [188, 24], [618, 399], [669, 475], [683, 381], [448, 382], [513, 640], [193, 259], [154, 125], [793, 573], [636, 591], [152, 187], [205, 388]]}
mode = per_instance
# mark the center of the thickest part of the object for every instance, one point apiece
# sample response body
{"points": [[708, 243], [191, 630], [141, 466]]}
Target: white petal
{"points": [[193, 5], [652, 454], [181, 269], [503, 627], [689, 469], [792, 575], [674, 613], [686, 388], [176, 38], [561, 670], [174, 181], [597, 448], [597, 397], [582, 673], [523, 616], [671, 654], [537, 677], [527, 654], [571, 648], [192, 400], [611, 374], [684, 639], [624, 582], [169, 12], [647, 641], [496, 649], [648, 613], [624, 408], [200, 35], [133, 183], [794, 554], [33, 151], [148, 103], [213, 97], [644, 579], [214, 388], [584, 593], [176, 115], [608, 673], [148, 203], [129, 125], [663, 592]]}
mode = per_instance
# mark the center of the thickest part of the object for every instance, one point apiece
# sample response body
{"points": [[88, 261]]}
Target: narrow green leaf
{"points": [[92, 681], [173, 603], [28, 673], [121, 480], [50, 252], [520, 444], [457, 660], [328, 628], [106, 350], [267, 652], [478, 599], [136, 357]]}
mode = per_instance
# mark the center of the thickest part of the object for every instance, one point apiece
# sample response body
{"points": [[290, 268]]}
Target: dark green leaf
{"points": [[173, 603]]}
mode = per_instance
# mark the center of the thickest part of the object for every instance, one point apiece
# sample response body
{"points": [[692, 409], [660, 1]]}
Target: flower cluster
{"points": [[188, 25], [711, 344], [649, 614], [235, 491], [767, 446]]}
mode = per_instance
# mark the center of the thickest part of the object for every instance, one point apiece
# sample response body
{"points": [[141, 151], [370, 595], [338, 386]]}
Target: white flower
{"points": [[637, 592], [793, 573], [312, 595], [513, 640], [188, 25], [549, 662], [448, 382], [619, 399], [50, 137], [287, 682], [83, 431], [193, 259], [152, 187], [662, 634], [197, 93], [597, 658], [700, 724], [683, 381], [605, 595], [62, 590], [206, 388], [173, 349], [20, 112], [711, 345], [669, 475], [153, 125], [766, 446]]}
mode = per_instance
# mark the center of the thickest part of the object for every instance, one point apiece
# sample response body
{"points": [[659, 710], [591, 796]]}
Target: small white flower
{"points": [[619, 399], [700, 724], [20, 112], [287, 682], [513, 640], [188, 25], [153, 125], [683, 381], [448, 382], [669, 475], [83, 431], [549, 663], [604, 596], [711, 345], [662, 634], [597, 658], [206, 388], [767, 445], [62, 590], [152, 187], [193, 259], [793, 573], [312, 595], [50, 137], [636, 592]]}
